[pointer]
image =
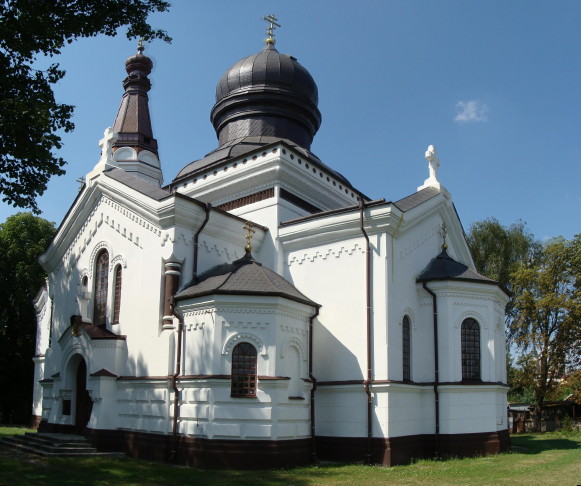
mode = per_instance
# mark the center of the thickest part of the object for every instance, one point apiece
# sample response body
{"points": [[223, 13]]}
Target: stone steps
{"points": [[56, 445]]}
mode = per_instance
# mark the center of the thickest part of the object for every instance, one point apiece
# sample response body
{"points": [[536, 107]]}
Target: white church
{"points": [[259, 311]]}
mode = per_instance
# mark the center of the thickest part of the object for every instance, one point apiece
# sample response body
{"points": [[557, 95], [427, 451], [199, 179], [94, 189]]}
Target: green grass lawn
{"points": [[552, 458]]}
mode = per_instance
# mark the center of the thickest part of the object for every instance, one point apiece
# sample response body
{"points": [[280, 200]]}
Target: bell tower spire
{"points": [[135, 149]]}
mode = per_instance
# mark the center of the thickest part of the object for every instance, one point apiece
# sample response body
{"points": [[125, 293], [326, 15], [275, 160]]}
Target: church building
{"points": [[258, 310]]}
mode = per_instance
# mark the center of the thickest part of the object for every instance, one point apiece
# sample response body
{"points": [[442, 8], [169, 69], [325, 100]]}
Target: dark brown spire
{"points": [[133, 123]]}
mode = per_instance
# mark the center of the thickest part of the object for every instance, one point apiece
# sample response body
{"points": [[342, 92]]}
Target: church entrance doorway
{"points": [[84, 404]]}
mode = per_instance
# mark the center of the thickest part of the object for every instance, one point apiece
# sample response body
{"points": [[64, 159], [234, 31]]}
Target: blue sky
{"points": [[495, 85]]}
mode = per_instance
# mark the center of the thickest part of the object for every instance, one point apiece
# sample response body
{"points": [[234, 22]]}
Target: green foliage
{"points": [[547, 314], [520, 380], [30, 117], [570, 387], [543, 316], [498, 251], [23, 237]]}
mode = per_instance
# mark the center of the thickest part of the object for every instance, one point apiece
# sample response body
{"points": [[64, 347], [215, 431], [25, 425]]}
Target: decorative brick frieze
{"points": [[311, 256]]}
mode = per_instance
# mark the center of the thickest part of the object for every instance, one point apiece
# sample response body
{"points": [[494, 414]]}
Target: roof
{"points": [[245, 276], [133, 121], [97, 332], [417, 198], [444, 267], [268, 68], [331, 212], [137, 184], [246, 145]]}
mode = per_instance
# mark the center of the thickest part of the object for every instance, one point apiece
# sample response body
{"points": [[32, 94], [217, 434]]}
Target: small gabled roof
{"points": [[417, 198], [444, 267], [137, 183], [245, 276]]}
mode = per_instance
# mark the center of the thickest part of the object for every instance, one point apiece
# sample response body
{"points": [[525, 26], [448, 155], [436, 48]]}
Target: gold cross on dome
{"points": [[249, 231], [272, 20]]}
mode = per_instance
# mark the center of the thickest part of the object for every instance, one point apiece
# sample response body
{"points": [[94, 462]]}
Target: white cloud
{"points": [[470, 111]]}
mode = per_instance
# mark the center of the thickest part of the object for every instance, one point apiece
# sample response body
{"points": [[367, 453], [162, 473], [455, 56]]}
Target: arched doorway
{"points": [[84, 404]]}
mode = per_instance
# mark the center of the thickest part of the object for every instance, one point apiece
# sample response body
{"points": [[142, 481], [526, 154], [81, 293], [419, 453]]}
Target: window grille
{"points": [[470, 349], [243, 371], [101, 285], [117, 297], [406, 351]]}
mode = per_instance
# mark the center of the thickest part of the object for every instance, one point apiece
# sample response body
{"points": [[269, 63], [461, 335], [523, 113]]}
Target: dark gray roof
{"points": [[444, 267], [242, 146], [331, 212], [270, 68], [416, 198], [137, 184], [242, 277]]}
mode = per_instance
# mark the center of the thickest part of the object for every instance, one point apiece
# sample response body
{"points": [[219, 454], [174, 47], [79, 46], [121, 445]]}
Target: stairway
{"points": [[56, 445]]}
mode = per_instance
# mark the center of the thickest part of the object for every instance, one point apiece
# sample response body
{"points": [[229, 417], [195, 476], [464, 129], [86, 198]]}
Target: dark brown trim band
{"points": [[298, 202], [244, 201], [266, 454]]}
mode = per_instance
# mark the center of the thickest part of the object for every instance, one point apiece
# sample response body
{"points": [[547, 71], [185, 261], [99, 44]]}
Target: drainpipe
{"points": [[314, 386], [208, 208], [368, 318], [174, 382], [180, 317], [436, 371]]}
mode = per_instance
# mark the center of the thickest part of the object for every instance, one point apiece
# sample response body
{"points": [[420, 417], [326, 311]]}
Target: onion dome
{"points": [[133, 123], [266, 94]]}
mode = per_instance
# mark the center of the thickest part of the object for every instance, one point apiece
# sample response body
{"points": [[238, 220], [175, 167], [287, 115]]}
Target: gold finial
{"points": [[248, 227], [444, 233], [140, 47], [272, 20]]}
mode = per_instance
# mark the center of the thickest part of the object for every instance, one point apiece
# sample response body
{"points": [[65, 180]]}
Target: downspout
{"points": [[180, 318], [174, 382], [313, 387], [368, 319], [208, 208], [436, 371]]}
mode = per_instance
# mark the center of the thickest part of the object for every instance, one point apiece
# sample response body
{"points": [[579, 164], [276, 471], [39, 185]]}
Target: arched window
{"points": [[470, 349], [117, 296], [406, 349], [243, 371], [101, 286]]}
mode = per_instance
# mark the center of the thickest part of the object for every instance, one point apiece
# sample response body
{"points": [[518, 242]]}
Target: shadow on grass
{"points": [[537, 443], [129, 472]]}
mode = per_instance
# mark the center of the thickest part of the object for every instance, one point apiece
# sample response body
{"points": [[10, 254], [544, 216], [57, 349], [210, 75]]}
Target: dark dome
{"points": [[267, 94], [271, 68]]}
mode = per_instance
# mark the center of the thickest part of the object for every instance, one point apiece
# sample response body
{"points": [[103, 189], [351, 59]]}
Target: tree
{"points": [[23, 238], [30, 117], [546, 322], [498, 251]]}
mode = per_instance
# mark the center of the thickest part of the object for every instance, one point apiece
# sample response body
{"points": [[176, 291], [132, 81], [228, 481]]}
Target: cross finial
{"points": [[81, 181], [249, 231], [272, 20], [140, 47], [106, 143], [444, 233]]}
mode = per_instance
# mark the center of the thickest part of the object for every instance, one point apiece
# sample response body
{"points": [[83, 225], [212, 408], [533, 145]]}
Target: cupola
{"points": [[268, 94]]}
